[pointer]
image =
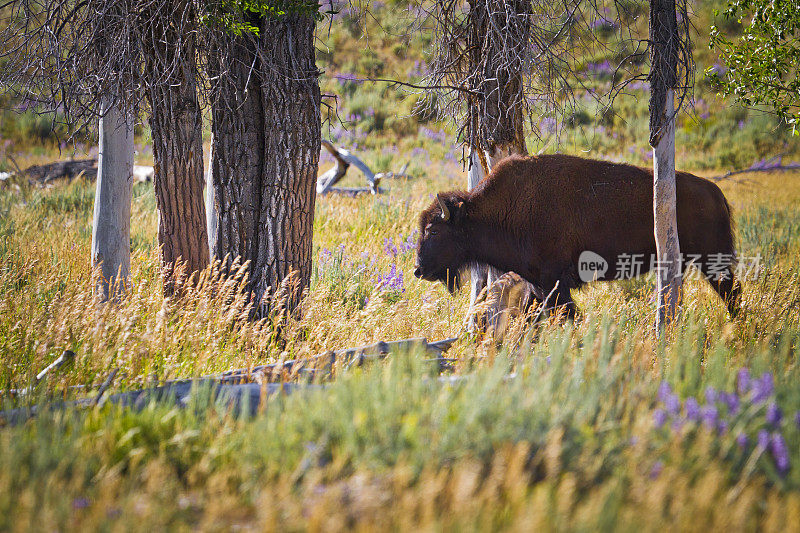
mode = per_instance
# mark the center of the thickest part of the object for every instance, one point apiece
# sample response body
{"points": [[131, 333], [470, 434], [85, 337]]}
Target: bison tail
{"points": [[729, 209]]}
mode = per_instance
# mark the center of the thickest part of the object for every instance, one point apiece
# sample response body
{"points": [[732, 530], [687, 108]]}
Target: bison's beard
{"points": [[452, 280]]}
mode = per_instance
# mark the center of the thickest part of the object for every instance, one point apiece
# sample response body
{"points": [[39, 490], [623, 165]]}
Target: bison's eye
{"points": [[432, 231]]}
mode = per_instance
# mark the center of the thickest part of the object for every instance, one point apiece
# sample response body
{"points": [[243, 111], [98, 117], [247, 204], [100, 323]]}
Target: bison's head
{"points": [[441, 251]]}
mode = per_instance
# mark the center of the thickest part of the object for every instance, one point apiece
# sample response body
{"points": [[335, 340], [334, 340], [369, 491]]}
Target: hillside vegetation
{"points": [[578, 426]]}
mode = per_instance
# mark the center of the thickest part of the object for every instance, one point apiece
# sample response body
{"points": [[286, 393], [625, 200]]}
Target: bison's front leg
{"points": [[559, 301]]}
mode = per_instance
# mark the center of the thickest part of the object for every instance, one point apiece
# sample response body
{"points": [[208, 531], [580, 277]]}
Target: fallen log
{"points": [[344, 159], [69, 170], [238, 398], [773, 164], [66, 357], [99, 400], [325, 363], [355, 191], [242, 390]]}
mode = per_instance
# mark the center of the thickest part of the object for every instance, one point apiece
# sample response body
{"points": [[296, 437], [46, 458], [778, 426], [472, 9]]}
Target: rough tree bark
{"points": [[111, 225], [176, 124], [266, 126], [495, 115], [664, 44]]}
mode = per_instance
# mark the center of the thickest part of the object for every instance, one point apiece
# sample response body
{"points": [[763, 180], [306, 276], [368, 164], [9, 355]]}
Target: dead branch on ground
{"points": [[70, 170], [344, 159], [773, 164], [242, 389]]}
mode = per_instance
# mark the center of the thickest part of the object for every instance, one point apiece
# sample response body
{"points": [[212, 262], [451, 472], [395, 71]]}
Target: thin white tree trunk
{"points": [[668, 271], [211, 213], [478, 273], [111, 240], [482, 276]]}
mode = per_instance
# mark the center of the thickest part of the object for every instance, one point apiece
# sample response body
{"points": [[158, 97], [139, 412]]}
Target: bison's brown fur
{"points": [[536, 215]]}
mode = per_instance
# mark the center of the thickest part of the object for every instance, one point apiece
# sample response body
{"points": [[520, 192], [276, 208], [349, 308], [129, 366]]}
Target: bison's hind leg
{"points": [[730, 290]]}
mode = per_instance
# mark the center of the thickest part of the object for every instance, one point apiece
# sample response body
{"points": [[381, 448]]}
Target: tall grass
{"points": [[564, 426], [580, 426], [569, 441]]}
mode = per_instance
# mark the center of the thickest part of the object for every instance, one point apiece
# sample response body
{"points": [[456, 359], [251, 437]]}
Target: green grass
{"points": [[558, 428], [569, 443]]}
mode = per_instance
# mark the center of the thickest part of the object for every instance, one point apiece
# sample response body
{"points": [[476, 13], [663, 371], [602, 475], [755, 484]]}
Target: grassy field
{"points": [[585, 435], [580, 426]]}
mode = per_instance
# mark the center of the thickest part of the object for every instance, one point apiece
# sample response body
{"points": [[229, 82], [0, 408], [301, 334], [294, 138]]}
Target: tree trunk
{"points": [[176, 124], [111, 233], [266, 126], [663, 79], [479, 274], [495, 115], [482, 276], [211, 205]]}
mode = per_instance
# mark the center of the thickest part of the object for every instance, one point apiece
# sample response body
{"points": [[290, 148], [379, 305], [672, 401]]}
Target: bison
{"points": [[553, 218]]}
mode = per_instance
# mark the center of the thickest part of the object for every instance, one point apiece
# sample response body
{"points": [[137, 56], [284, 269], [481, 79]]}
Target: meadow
{"points": [[587, 425]]}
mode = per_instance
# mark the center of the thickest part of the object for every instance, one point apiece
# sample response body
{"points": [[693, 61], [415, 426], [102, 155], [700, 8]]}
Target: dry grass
{"points": [[568, 444]]}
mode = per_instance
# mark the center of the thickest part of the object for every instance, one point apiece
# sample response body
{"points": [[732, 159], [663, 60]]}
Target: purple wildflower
{"points": [[797, 419], [731, 400], [763, 439], [438, 136], [389, 247], [741, 440], [722, 426], [548, 125], [711, 395], [602, 23], [80, 503], [763, 388], [672, 404], [780, 452], [409, 243], [391, 281], [658, 466], [420, 153], [600, 69], [692, 409], [743, 381], [710, 415], [664, 390], [659, 418], [419, 69], [774, 414]]}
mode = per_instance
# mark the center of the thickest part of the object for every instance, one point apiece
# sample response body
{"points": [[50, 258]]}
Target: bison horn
{"points": [[445, 211]]}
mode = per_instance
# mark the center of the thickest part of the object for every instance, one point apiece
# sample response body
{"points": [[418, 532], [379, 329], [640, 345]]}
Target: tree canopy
{"points": [[762, 61]]}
